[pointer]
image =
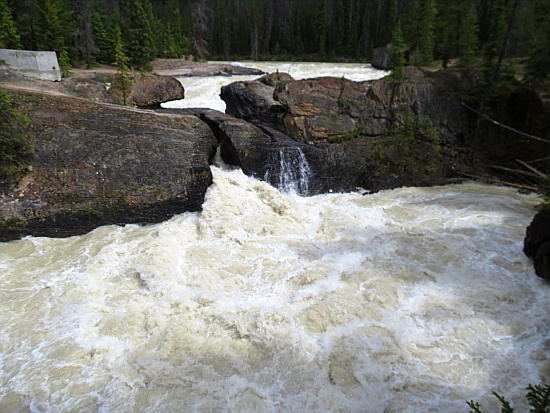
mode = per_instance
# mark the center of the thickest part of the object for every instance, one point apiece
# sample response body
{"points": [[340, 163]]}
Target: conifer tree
{"points": [[64, 63], [51, 26], [122, 81], [396, 62], [411, 22], [103, 41], [85, 43], [137, 36], [337, 35], [175, 28], [500, 19], [538, 65], [448, 18], [9, 38], [170, 47], [426, 30], [321, 24], [468, 42], [156, 30], [24, 16], [201, 29]]}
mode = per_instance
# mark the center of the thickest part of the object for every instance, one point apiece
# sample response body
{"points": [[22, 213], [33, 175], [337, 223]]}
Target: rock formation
{"points": [[381, 56], [97, 164], [150, 91], [343, 126]]}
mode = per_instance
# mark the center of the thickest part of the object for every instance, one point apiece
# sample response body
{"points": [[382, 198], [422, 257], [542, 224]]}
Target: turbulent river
{"points": [[203, 92], [409, 300]]}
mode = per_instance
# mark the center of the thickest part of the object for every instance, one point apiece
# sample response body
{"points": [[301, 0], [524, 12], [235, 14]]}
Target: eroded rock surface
{"points": [[150, 90], [343, 126], [97, 164]]}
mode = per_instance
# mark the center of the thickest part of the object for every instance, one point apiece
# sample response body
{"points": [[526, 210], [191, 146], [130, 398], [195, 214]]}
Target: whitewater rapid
{"points": [[203, 92], [409, 300]]}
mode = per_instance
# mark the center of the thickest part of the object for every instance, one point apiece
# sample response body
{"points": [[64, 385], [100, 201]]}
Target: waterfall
{"points": [[293, 171], [406, 300]]}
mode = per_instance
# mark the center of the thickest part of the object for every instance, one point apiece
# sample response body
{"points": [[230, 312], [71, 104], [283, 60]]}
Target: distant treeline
{"points": [[87, 31]]}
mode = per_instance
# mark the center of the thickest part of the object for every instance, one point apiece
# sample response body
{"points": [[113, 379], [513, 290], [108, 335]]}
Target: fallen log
{"points": [[496, 181], [527, 135], [534, 170], [516, 171]]}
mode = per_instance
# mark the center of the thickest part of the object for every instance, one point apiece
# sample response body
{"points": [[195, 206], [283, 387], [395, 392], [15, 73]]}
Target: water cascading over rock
{"points": [[289, 171]]}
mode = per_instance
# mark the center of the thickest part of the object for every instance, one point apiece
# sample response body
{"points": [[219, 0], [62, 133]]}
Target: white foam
{"points": [[416, 299]]}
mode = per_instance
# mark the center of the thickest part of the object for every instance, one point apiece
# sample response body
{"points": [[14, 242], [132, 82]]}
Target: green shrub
{"points": [[413, 143], [538, 397]]}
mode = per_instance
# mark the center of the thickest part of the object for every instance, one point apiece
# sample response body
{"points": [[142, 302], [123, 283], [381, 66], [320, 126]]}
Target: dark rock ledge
{"points": [[98, 164]]}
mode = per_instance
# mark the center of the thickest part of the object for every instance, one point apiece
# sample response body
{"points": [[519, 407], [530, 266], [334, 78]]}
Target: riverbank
{"points": [[178, 67]]}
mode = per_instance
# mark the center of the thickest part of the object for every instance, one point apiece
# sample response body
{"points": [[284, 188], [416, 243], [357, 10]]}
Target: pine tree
{"points": [[321, 24], [468, 42], [24, 16], [9, 38], [201, 29], [448, 19], [427, 30], [175, 27], [538, 65], [122, 81], [64, 63], [499, 15], [85, 40], [156, 30], [410, 24], [103, 41], [396, 62], [337, 32], [50, 26], [171, 48], [137, 36]]}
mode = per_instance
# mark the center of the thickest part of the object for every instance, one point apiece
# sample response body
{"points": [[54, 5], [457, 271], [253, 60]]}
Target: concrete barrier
{"points": [[40, 65]]}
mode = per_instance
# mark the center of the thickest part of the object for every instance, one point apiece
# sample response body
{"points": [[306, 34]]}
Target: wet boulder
{"points": [[537, 243], [253, 101], [261, 152]]}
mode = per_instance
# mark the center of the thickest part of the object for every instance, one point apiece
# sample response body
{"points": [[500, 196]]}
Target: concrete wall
{"points": [[41, 65]]}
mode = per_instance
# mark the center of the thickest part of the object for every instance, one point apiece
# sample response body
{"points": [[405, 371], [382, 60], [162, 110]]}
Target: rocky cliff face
{"points": [[97, 164], [344, 127]]}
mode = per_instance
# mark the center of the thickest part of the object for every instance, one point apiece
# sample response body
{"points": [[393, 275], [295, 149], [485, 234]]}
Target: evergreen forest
{"points": [[88, 32]]}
